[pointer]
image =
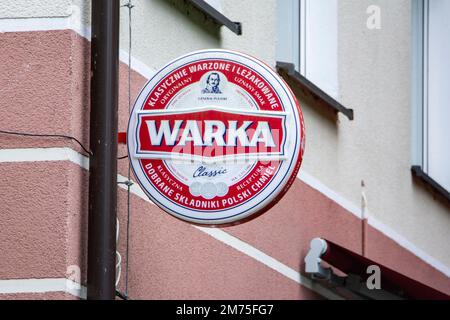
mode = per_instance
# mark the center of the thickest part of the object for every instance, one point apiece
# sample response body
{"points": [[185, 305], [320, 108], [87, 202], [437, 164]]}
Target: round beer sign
{"points": [[215, 137]]}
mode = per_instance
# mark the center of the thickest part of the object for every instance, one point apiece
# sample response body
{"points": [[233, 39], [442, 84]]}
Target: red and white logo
{"points": [[215, 137]]}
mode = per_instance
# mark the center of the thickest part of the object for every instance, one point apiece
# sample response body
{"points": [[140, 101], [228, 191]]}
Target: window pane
{"points": [[320, 44], [439, 92], [288, 31]]}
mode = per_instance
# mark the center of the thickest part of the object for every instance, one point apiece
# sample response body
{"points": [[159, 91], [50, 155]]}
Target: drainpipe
{"points": [[101, 271], [364, 220]]}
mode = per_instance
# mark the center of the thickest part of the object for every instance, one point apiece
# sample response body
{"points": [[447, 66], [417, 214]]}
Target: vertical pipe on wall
{"points": [[101, 271], [364, 220]]}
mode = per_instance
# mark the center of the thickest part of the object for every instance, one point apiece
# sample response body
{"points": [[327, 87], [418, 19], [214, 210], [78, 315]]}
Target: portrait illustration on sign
{"points": [[212, 83]]}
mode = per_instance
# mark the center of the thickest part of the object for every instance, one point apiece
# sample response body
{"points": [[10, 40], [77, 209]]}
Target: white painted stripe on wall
{"points": [[319, 186], [35, 24], [408, 245], [34, 155], [62, 154], [76, 289], [68, 23], [267, 260], [16, 286], [42, 155], [137, 65], [135, 188]]}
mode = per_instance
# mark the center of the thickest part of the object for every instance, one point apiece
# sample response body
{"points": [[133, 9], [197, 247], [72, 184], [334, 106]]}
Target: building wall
{"points": [[35, 9], [45, 79], [375, 79]]}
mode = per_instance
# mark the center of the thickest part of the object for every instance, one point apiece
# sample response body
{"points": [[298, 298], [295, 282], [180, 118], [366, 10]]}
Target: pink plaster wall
{"points": [[38, 296], [33, 220], [303, 214], [170, 259], [383, 249], [44, 87]]}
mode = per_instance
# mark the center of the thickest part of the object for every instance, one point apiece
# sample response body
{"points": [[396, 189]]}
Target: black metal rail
{"points": [[216, 16]]}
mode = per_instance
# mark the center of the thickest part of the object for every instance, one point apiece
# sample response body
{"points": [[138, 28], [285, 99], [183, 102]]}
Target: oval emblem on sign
{"points": [[215, 136]]}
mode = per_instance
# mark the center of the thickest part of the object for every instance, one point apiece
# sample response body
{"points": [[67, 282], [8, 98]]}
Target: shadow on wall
{"points": [[317, 106], [192, 15]]}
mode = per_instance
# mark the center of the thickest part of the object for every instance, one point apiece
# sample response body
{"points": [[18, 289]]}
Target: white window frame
{"points": [[418, 83], [296, 35], [420, 88], [288, 31]]}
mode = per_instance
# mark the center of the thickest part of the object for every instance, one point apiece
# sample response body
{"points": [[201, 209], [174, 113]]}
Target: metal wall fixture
{"points": [[101, 271], [216, 16]]}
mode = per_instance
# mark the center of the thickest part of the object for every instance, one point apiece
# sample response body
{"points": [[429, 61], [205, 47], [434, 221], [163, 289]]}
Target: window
{"points": [[307, 38], [431, 91]]}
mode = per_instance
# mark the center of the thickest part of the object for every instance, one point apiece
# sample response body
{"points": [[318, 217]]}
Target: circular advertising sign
{"points": [[215, 137]]}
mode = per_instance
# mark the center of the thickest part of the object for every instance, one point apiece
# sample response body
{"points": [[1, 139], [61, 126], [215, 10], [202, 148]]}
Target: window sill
{"points": [[287, 70], [425, 178], [216, 16]]}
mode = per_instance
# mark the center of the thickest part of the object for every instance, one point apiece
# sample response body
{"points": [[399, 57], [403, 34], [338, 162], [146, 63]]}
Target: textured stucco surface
{"points": [[259, 27], [33, 225], [167, 253], [44, 87], [374, 68], [375, 80], [44, 219], [166, 29], [35, 8], [386, 251], [170, 259], [301, 215], [162, 31], [38, 296], [374, 77], [77, 221]]}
